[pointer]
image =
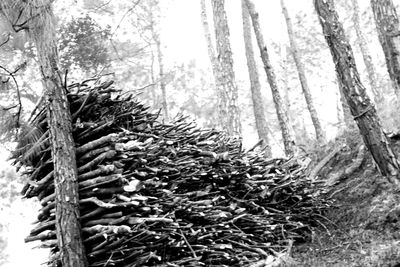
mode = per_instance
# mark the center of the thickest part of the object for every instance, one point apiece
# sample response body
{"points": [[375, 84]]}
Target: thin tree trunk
{"points": [[371, 73], [339, 110], [41, 30], [258, 106], [164, 103], [288, 140], [361, 108], [228, 107], [153, 81], [319, 133], [387, 24], [284, 61], [347, 117], [210, 46]]}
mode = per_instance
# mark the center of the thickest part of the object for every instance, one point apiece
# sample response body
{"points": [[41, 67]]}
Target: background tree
{"points": [[302, 76], [281, 113], [210, 47], [255, 87], [147, 23], [37, 18], [227, 89], [157, 40], [361, 108], [362, 43], [74, 49], [387, 24]]}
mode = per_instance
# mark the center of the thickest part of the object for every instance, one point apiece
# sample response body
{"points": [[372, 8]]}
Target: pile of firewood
{"points": [[156, 194]]}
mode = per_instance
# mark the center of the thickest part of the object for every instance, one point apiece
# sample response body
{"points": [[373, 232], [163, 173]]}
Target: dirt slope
{"points": [[364, 228]]}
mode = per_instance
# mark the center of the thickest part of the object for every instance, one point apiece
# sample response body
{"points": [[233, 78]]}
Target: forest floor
{"points": [[364, 227]]}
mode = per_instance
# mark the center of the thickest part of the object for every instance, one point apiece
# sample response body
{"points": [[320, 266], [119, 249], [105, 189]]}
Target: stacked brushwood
{"points": [[156, 194]]}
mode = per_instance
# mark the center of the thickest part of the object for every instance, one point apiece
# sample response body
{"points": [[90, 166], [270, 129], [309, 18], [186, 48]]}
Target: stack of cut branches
{"points": [[155, 194]]}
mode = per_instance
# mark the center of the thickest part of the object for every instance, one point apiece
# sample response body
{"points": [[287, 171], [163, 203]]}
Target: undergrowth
{"points": [[364, 227]]}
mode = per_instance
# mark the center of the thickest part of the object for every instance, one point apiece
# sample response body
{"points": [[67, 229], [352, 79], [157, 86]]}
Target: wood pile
{"points": [[156, 194]]}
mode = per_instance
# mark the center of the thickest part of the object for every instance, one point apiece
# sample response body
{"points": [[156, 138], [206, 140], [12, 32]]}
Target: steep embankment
{"points": [[364, 228]]}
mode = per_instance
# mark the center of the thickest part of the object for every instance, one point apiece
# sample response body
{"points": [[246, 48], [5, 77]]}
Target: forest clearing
{"points": [[134, 139]]}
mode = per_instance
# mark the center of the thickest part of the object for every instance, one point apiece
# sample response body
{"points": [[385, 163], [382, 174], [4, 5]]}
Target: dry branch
{"points": [[154, 194]]}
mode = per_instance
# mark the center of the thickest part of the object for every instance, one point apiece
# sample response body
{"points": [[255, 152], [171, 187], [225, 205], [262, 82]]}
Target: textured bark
{"points": [[361, 108], [258, 106], [362, 43], [387, 24], [288, 140], [63, 147], [319, 133], [228, 92]]}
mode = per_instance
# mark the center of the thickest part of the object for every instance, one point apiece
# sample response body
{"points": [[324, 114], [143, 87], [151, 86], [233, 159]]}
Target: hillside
{"points": [[363, 228]]}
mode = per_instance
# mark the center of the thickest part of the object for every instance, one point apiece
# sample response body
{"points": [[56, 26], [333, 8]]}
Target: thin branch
{"points": [[123, 17], [6, 41], [12, 75], [101, 6]]}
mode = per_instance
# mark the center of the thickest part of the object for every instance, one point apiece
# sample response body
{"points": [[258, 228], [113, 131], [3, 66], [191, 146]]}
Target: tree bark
{"points": [[255, 87], [360, 105], [371, 73], [347, 117], [228, 92], [210, 46], [319, 133], [163, 88], [387, 24], [41, 30], [288, 140], [284, 52]]}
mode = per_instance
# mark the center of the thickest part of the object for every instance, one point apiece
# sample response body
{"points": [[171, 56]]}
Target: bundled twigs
{"points": [[153, 194]]}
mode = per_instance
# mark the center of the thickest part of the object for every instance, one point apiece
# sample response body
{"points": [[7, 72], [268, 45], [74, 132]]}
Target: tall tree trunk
{"points": [[153, 81], [347, 117], [288, 140], [371, 73], [210, 46], [258, 107], [284, 52], [387, 24], [319, 133], [228, 91], [361, 108], [41, 29], [155, 34], [163, 88]]}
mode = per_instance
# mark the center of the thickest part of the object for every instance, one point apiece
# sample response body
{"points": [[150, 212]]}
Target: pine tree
{"points": [[360, 105], [37, 18], [362, 43], [288, 140], [387, 24], [229, 113], [258, 106], [302, 77]]}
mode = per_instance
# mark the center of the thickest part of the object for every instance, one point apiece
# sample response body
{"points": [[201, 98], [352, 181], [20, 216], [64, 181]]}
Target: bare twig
{"points": [[12, 75]]}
